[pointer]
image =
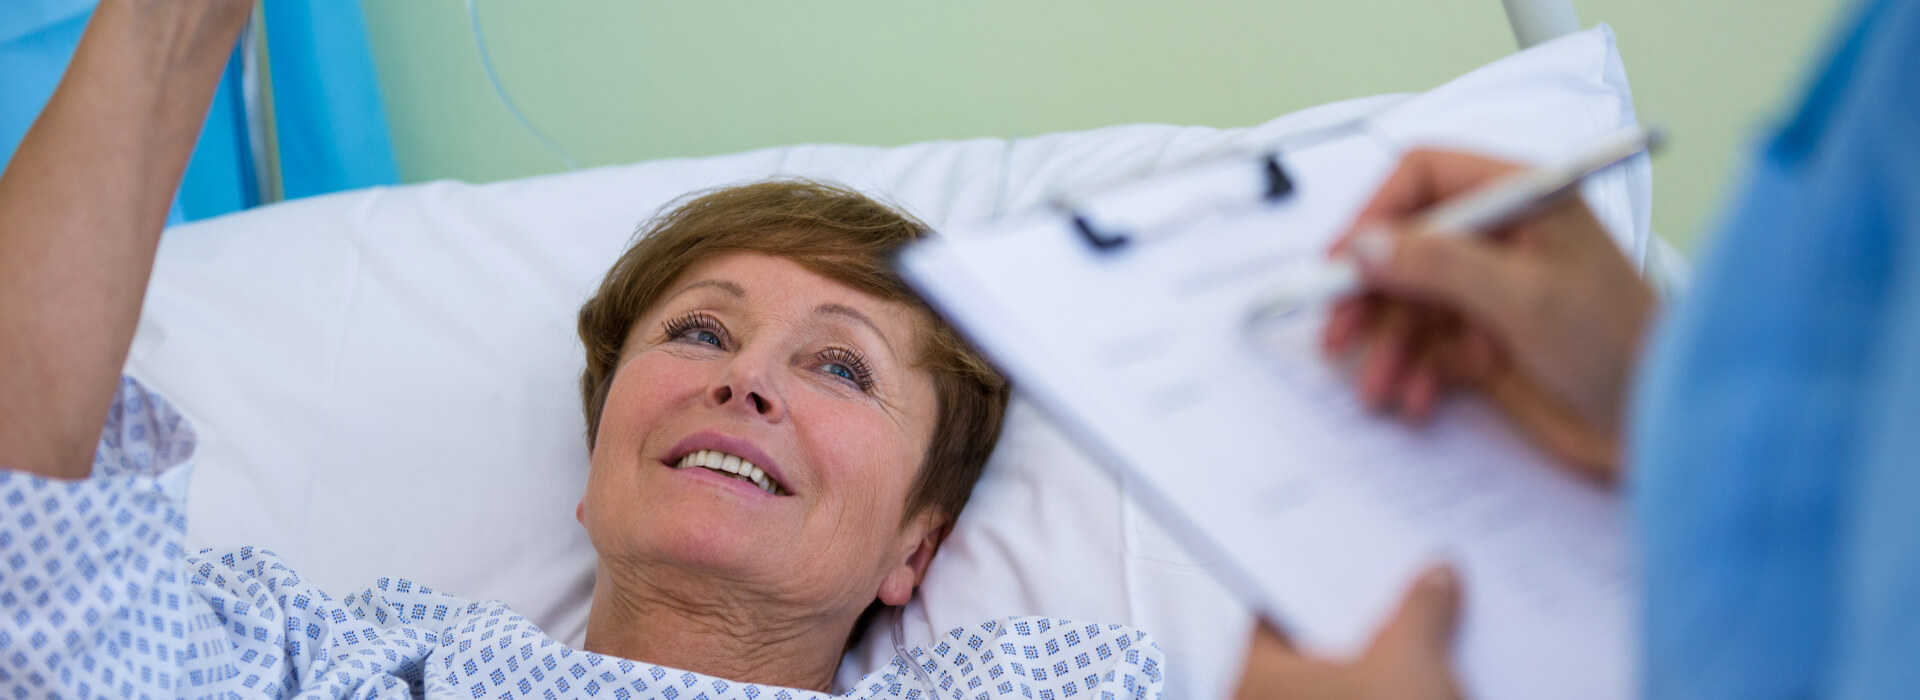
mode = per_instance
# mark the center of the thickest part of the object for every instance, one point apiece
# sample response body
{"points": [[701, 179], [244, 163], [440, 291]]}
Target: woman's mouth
{"points": [[731, 466]]}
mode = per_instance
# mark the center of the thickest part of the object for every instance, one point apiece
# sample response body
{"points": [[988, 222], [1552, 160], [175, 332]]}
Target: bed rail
{"points": [[1538, 21]]}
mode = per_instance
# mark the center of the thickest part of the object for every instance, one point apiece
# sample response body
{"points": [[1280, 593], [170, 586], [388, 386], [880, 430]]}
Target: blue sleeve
{"points": [[1877, 639], [1877, 646], [1776, 429]]}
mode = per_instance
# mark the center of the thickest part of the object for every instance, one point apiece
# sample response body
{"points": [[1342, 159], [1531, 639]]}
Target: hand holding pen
{"points": [[1543, 314], [1468, 273]]}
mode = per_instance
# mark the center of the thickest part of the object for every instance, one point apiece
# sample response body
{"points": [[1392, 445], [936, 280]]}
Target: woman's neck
{"points": [[713, 630]]}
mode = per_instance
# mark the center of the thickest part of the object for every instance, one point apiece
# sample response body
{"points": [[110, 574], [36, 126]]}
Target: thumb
{"points": [[1467, 275], [1425, 622]]}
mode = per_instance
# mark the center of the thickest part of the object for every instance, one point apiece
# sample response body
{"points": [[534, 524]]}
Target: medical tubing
{"points": [[486, 64], [900, 649]]}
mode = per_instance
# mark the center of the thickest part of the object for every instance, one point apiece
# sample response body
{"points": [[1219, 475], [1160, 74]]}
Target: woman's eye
{"points": [[697, 328], [848, 365]]}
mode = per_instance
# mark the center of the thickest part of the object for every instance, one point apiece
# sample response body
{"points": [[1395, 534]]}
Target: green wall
{"points": [[616, 81]]}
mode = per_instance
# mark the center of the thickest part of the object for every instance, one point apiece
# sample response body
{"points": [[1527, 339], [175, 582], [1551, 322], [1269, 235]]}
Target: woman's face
{"points": [[753, 359]]}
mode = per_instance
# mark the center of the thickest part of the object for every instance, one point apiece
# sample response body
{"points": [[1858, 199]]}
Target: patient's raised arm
{"points": [[81, 208]]}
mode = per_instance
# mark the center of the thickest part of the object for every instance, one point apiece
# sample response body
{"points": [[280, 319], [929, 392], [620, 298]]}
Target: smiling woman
{"points": [[833, 233], [780, 430]]}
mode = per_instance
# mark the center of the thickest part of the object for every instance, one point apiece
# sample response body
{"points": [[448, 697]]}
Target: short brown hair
{"points": [[839, 234]]}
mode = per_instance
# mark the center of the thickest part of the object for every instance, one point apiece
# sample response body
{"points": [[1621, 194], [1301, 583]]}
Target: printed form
{"points": [[1253, 448]]}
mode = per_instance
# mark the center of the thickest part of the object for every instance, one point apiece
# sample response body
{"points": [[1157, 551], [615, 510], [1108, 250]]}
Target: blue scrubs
{"points": [[1776, 431]]}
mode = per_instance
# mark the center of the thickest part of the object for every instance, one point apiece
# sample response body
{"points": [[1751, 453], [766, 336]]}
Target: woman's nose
{"points": [[747, 390]]}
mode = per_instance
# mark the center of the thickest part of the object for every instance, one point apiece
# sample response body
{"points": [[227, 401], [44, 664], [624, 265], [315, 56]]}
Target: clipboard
{"points": [[1120, 313]]}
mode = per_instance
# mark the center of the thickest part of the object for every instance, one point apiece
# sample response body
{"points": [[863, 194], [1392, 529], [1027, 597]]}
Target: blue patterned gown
{"points": [[98, 598]]}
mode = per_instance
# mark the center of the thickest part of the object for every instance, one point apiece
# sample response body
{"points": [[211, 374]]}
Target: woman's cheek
{"points": [[863, 454], [654, 379]]}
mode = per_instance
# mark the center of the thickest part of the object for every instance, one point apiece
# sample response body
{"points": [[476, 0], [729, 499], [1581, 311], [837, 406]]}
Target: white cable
{"points": [[900, 650], [1006, 176], [486, 63]]}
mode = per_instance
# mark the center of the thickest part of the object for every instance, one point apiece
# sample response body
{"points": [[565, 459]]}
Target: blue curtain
{"points": [[221, 177], [37, 38], [329, 122]]}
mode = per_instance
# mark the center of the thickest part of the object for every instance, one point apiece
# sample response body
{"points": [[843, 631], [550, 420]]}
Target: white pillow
{"points": [[384, 381]]}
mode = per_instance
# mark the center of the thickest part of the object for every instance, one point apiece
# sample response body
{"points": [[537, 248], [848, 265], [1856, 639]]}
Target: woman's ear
{"points": [[928, 532]]}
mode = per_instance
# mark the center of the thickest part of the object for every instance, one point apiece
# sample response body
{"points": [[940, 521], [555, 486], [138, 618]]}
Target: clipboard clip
{"points": [[1150, 208]]}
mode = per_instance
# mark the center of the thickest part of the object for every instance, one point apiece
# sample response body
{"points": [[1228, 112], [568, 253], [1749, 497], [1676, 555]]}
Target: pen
{"points": [[1476, 213]]}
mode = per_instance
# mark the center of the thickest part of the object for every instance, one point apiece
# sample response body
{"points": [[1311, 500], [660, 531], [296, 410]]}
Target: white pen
{"points": [[1475, 213]]}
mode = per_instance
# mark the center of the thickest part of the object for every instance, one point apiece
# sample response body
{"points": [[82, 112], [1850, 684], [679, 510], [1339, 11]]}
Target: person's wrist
{"points": [[191, 10], [1642, 311], [176, 36]]}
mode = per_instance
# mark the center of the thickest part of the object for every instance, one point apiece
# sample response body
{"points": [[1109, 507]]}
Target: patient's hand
{"points": [[1407, 661]]}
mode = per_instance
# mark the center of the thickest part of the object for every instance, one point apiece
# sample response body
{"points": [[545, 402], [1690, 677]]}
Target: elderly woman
{"points": [[781, 434]]}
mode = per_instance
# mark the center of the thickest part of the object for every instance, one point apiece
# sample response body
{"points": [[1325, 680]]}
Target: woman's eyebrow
{"points": [[852, 313], [723, 285]]}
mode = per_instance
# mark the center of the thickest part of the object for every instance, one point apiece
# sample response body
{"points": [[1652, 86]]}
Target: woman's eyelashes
{"points": [[697, 327], [849, 365]]}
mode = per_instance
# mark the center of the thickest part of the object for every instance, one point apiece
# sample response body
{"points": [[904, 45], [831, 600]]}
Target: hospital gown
{"points": [[98, 598]]}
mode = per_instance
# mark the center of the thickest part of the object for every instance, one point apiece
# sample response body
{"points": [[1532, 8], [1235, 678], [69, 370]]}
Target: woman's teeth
{"points": [[731, 466]]}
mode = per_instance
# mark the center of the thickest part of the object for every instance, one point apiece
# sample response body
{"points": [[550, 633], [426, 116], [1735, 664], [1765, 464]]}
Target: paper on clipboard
{"points": [[1254, 450]]}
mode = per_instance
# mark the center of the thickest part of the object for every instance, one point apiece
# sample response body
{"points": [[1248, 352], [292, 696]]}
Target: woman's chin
{"points": [[698, 521], [714, 534]]}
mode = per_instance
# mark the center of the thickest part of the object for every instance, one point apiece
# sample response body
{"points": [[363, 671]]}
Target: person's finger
{"points": [[1477, 354], [1274, 669], [1424, 176], [1462, 355], [1344, 324], [1420, 391], [1385, 355], [1424, 624], [1459, 362], [1419, 379], [1444, 355], [1470, 277]]}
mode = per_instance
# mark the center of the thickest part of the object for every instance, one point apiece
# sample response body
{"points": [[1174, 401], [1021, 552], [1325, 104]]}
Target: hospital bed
{"points": [[384, 381]]}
